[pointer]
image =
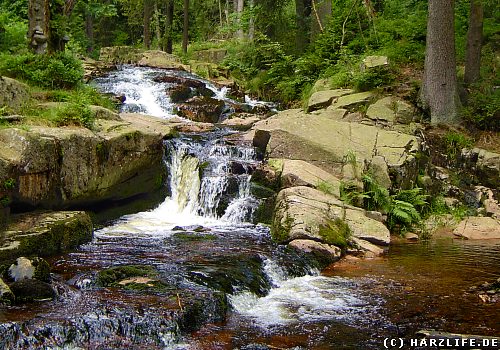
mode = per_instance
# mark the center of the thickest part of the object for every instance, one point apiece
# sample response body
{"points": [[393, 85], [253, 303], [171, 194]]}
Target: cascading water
{"points": [[275, 297]]}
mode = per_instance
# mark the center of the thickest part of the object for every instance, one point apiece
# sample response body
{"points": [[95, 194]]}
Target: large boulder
{"points": [[13, 93], [211, 55], [478, 228], [42, 234], [201, 109], [353, 100], [293, 134], [323, 252], [484, 164], [306, 213], [67, 167], [161, 59]]}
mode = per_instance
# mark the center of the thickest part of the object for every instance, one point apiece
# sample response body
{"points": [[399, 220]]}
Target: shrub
{"points": [[60, 70]]}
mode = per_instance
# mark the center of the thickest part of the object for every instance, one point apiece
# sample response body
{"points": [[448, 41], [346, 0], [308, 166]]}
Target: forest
{"points": [[276, 50]]}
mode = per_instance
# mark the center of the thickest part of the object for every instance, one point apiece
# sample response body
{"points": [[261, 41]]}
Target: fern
{"points": [[376, 196], [404, 212]]}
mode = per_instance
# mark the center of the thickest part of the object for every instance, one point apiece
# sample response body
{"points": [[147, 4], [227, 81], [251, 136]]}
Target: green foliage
{"points": [[376, 197], [12, 32], [61, 70], [483, 108], [72, 113], [9, 184], [372, 78], [84, 94], [351, 194], [405, 209], [455, 142], [326, 187]]}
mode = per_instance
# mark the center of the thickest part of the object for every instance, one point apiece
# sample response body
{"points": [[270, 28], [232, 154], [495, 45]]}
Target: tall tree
{"points": [[238, 9], [169, 24], [185, 31], [303, 23], [439, 90], [148, 13], [474, 42], [39, 25]]}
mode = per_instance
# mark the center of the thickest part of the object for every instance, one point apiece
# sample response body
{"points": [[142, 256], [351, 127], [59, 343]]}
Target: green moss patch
{"points": [[335, 232]]}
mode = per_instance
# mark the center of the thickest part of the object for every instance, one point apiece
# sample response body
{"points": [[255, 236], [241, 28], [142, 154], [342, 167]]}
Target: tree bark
{"points": [[302, 14], [439, 91], [39, 25], [185, 31], [474, 43], [239, 11], [148, 12], [156, 17], [89, 31], [168, 31]]}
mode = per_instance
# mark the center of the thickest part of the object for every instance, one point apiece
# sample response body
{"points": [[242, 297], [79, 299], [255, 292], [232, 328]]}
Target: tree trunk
{"points": [[168, 31], [156, 17], [302, 14], [239, 11], [474, 43], [148, 12], [251, 25], [89, 31], [185, 31], [439, 90], [39, 25]]}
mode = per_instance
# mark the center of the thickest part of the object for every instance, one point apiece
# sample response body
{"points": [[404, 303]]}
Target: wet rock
{"points": [[410, 236], [268, 175], [322, 99], [180, 94], [230, 274], [25, 268], [114, 275], [45, 234], [6, 295], [478, 228], [32, 290], [201, 109], [13, 93], [193, 228], [324, 253], [364, 248]]}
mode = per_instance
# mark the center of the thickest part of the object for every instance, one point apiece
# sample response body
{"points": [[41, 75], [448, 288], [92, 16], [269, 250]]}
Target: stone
{"points": [[301, 213], [211, 55], [120, 54], [351, 101], [25, 268], [27, 290], [56, 168], [201, 109], [161, 59], [321, 85], [476, 227], [6, 295], [301, 173], [333, 114], [390, 109], [323, 252], [484, 164], [367, 229], [45, 234], [322, 99], [380, 171], [374, 61], [13, 93], [410, 236], [367, 249], [293, 134], [239, 123]]}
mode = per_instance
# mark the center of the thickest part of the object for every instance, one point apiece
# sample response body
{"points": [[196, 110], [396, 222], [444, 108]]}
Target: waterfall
{"points": [[211, 179]]}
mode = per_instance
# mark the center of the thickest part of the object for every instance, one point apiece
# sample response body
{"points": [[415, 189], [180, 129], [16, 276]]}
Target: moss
{"points": [[102, 152], [280, 232], [195, 237], [264, 212], [42, 270], [335, 232], [111, 276]]}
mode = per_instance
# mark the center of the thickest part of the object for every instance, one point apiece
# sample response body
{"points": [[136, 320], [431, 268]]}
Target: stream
{"points": [[219, 280]]}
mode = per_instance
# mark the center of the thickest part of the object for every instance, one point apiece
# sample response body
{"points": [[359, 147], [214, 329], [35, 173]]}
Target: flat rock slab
{"points": [[354, 100], [301, 173], [477, 227], [390, 109], [45, 234], [326, 252], [322, 99], [324, 142], [13, 93]]}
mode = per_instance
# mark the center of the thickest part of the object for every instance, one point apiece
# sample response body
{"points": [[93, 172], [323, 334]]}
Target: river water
{"points": [[226, 285]]}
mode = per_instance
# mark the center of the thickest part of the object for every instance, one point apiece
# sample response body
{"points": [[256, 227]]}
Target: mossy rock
{"points": [[112, 276], [28, 268], [6, 295], [31, 290], [335, 232]]}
